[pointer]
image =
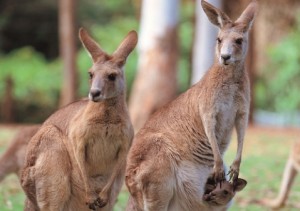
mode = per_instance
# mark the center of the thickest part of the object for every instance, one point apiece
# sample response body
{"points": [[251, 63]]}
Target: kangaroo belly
{"points": [[191, 179]]}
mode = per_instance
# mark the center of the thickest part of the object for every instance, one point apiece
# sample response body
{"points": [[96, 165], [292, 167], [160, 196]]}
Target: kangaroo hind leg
{"points": [[50, 171]]}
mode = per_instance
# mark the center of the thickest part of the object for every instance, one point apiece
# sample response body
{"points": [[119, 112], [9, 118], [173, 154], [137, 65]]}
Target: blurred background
{"points": [[43, 67]]}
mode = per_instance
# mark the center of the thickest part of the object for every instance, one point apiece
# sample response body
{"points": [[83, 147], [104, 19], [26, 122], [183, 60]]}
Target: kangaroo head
{"points": [[222, 194], [232, 41], [107, 72]]}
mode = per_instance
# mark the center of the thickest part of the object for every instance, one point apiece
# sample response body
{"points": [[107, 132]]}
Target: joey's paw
{"points": [[98, 202]]}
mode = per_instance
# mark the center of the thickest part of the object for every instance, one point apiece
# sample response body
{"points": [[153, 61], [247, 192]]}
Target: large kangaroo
{"points": [[292, 168], [183, 143], [76, 161]]}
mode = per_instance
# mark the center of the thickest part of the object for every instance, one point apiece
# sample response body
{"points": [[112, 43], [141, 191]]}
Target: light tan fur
{"points": [[183, 142], [76, 161], [222, 193], [292, 168], [12, 159]]}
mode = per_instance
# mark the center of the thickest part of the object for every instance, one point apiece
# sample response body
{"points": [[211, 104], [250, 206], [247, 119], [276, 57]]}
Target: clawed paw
{"points": [[96, 203], [233, 174], [218, 175]]}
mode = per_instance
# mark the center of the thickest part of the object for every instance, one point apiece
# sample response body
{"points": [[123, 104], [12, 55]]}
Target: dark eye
{"points": [[239, 41], [112, 77], [225, 192], [90, 75], [219, 40]]}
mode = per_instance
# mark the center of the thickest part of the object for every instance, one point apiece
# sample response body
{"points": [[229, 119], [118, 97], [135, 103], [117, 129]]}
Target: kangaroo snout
{"points": [[94, 94], [225, 57]]}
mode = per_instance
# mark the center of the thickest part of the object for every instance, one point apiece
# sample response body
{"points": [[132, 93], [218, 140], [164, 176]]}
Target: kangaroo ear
{"points": [[240, 184], [94, 50], [216, 16], [125, 48], [247, 17]]}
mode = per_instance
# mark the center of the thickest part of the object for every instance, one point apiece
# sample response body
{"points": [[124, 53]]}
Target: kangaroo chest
{"points": [[226, 108], [102, 147]]}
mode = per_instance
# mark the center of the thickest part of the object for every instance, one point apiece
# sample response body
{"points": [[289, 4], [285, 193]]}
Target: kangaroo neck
{"points": [[232, 72], [113, 106]]}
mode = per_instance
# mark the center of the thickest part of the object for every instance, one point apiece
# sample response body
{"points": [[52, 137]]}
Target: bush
{"points": [[36, 83], [278, 88]]}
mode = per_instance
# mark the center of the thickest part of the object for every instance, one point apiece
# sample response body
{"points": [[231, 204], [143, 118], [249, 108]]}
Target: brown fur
{"points": [[292, 168], [76, 161], [12, 159], [219, 194], [183, 143]]}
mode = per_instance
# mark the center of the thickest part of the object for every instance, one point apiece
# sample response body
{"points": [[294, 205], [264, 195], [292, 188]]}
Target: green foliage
{"points": [[34, 79], [278, 88], [185, 41], [91, 12]]}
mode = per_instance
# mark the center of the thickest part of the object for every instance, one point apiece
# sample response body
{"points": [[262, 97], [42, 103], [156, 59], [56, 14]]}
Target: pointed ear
{"points": [[125, 48], [247, 17], [240, 184], [216, 16], [94, 50]]}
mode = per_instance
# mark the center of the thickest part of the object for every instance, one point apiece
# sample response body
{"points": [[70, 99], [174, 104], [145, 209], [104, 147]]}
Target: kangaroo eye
{"points": [[239, 41], [219, 40], [112, 77], [90, 75], [225, 192]]}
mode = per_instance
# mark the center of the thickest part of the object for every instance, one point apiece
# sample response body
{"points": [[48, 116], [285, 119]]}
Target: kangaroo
{"points": [[183, 143], [12, 159], [223, 193], [76, 161], [292, 168]]}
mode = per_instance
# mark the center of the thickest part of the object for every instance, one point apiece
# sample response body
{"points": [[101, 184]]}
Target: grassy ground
{"points": [[265, 153]]}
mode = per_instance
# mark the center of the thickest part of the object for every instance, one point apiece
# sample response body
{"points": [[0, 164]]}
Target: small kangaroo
{"points": [[222, 193], [183, 143], [12, 159], [292, 168], [76, 161]]}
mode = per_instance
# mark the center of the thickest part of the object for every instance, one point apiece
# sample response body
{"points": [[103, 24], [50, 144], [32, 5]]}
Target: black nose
{"points": [[225, 57], [95, 93]]}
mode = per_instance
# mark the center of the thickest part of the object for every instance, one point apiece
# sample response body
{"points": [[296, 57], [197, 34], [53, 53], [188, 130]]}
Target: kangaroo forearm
{"points": [[116, 171], [80, 159]]}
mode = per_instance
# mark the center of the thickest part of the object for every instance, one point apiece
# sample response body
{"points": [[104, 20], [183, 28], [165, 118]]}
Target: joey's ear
{"points": [[127, 45], [94, 50], [247, 17], [240, 184], [216, 16]]}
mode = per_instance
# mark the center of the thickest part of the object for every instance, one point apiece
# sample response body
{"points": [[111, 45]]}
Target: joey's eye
{"points": [[239, 41], [219, 40], [112, 77], [225, 192], [90, 75]]}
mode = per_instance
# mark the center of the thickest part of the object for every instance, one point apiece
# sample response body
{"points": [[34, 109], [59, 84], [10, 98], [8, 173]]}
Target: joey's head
{"points": [[222, 194], [107, 72], [232, 40]]}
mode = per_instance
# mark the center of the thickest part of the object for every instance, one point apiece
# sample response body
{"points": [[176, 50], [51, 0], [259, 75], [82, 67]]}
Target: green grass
{"points": [[265, 154]]}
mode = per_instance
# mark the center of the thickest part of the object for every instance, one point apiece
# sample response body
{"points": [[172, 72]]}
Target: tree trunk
{"points": [[68, 50], [204, 42], [156, 82]]}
